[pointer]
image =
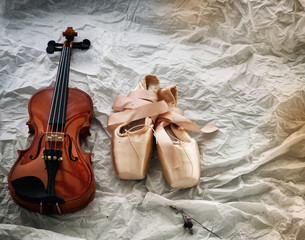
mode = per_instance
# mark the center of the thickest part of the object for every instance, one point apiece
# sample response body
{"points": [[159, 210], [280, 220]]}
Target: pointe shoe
{"points": [[177, 150], [132, 129]]}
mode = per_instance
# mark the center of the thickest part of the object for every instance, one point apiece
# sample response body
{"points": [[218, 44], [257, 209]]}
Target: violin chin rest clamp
{"points": [[32, 189]]}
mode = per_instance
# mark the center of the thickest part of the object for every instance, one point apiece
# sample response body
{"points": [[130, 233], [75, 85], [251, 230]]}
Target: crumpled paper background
{"points": [[237, 64]]}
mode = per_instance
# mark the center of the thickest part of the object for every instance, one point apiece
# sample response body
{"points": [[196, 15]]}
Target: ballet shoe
{"points": [[177, 151], [132, 128]]}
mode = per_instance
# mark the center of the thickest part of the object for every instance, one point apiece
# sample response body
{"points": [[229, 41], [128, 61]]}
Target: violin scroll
{"points": [[69, 34]]}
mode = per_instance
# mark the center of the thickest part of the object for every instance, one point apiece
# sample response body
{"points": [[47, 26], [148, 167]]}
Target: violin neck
{"points": [[57, 116]]}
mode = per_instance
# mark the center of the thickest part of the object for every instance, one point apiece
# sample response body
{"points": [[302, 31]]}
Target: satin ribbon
{"points": [[134, 99], [137, 105], [175, 115]]}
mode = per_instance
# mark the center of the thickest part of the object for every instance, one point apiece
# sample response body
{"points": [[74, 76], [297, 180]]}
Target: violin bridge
{"points": [[55, 136]]}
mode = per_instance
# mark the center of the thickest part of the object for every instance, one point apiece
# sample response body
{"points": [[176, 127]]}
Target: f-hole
{"points": [[38, 149], [70, 149]]}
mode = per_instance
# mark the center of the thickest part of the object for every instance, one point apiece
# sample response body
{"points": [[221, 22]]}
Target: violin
{"points": [[54, 175]]}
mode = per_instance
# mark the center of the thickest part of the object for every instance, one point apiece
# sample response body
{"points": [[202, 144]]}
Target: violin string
{"points": [[62, 89], [54, 107], [58, 93], [55, 93], [55, 87], [66, 90]]}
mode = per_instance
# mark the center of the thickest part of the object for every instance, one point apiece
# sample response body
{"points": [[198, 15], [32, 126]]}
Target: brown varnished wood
{"points": [[75, 179]]}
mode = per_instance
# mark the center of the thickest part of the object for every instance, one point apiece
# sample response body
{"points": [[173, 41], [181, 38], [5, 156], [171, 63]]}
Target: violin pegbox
{"points": [[69, 34]]}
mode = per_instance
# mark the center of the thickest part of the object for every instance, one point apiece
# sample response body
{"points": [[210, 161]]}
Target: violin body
{"points": [[54, 175], [74, 179]]}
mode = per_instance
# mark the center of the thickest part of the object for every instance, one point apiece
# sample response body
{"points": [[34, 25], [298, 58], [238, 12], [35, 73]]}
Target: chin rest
{"points": [[32, 189]]}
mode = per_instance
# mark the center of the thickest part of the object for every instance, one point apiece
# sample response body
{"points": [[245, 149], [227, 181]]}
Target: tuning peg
{"points": [[52, 47], [85, 44], [51, 43], [55, 44]]}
